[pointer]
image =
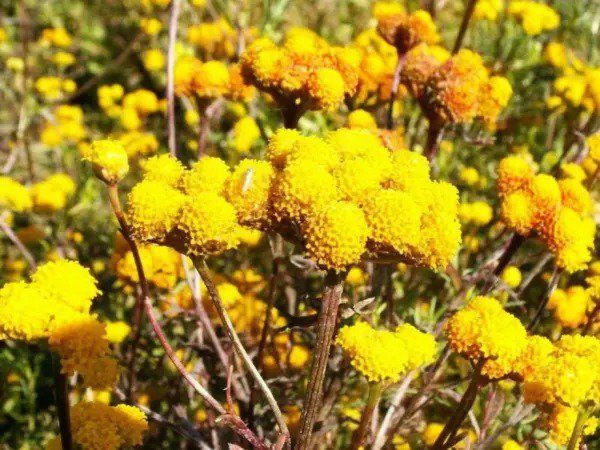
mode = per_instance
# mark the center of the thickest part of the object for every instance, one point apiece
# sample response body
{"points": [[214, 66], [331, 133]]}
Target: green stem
{"points": [[582, 417], [375, 390]]}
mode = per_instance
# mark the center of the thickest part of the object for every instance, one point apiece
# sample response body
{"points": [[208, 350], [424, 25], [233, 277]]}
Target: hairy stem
{"points": [[394, 93], [170, 94], [375, 390], [464, 25], [334, 283]]}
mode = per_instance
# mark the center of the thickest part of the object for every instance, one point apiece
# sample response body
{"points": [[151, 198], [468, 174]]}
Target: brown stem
{"points": [[434, 136], [511, 248], [175, 7], [461, 412], [61, 391], [113, 194], [394, 91], [375, 390], [544, 301], [137, 331], [202, 269], [464, 25], [291, 116], [334, 284]]}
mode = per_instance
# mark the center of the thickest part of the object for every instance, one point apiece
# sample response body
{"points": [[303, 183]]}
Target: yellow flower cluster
{"points": [[244, 134], [52, 194], [534, 17], [67, 126], [419, 64], [340, 193], [138, 143], [96, 425], [460, 90], [386, 355], [304, 73], [52, 88], [578, 380], [488, 9], [558, 211], [58, 37], [405, 31], [561, 422], [55, 305], [214, 40], [154, 60], [209, 80], [484, 331], [570, 306], [14, 196]]}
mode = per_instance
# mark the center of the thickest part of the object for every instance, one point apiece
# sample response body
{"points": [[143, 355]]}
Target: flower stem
{"points": [[394, 92], [434, 136], [582, 417], [332, 292], [464, 25], [375, 390], [202, 269], [461, 412], [61, 392], [170, 94]]}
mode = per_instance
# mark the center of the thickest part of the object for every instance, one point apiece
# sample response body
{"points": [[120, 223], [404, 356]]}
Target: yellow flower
{"points": [[280, 146], [511, 445], [570, 306], [150, 26], [534, 17], [59, 37], [483, 330], [109, 160], [248, 189], [405, 31], [209, 174], [164, 169], [361, 119], [385, 355], [67, 282], [83, 348], [154, 60], [356, 277], [245, 134], [116, 332], [208, 225], [63, 59], [14, 196], [152, 209], [488, 9], [336, 236], [511, 276], [561, 422]]}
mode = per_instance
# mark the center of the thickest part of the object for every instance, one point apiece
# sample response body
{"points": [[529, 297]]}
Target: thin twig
{"points": [[544, 301], [202, 269], [463, 26], [18, 243], [61, 390], [175, 8]]}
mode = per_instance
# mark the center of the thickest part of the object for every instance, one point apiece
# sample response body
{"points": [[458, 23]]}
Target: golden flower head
{"points": [[109, 160]]}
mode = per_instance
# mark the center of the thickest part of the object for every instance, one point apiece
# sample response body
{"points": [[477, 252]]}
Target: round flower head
{"points": [[361, 119], [209, 174], [109, 160], [405, 31], [280, 145], [14, 196], [571, 239], [67, 282], [514, 174], [410, 171], [391, 233], [25, 312], [534, 17], [495, 95], [575, 196], [152, 209], [206, 225], [211, 79], [357, 180], [336, 235], [326, 86], [484, 331], [249, 190], [164, 169], [419, 63], [536, 354], [453, 92], [303, 187], [83, 348], [570, 306], [245, 133]]}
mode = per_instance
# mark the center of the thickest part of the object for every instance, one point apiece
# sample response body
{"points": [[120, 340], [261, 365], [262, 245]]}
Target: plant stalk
{"points": [[375, 390], [332, 292], [577, 430], [61, 392]]}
